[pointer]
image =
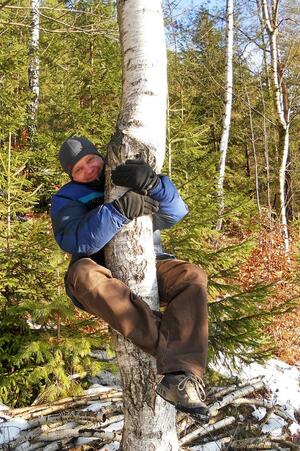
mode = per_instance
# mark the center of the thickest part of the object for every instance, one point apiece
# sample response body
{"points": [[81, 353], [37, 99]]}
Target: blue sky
{"points": [[254, 56], [189, 3], [182, 7]]}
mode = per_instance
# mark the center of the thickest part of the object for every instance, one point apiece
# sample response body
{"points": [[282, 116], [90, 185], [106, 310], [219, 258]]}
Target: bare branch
{"points": [[206, 429], [214, 409]]}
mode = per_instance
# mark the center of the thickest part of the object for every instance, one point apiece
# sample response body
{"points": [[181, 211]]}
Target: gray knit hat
{"points": [[73, 149]]}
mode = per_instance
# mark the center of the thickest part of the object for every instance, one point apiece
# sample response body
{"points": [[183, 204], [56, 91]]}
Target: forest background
{"points": [[45, 344]]}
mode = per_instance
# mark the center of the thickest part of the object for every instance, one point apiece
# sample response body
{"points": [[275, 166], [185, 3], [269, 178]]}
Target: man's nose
{"points": [[88, 169]]}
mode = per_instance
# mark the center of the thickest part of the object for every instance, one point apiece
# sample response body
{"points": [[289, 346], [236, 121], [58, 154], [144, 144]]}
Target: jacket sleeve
{"points": [[171, 206], [80, 231]]}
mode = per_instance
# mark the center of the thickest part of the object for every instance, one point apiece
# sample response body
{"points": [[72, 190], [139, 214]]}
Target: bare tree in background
{"points": [[34, 67], [280, 92], [227, 113]]}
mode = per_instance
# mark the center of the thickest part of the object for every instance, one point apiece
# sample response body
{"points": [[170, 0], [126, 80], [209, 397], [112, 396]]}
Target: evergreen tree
{"points": [[43, 341]]}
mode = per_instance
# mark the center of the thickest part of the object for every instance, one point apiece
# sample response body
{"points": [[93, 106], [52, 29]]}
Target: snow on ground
{"points": [[3, 407], [114, 446], [97, 388], [10, 429], [211, 446], [259, 413], [274, 426], [283, 382], [96, 406], [281, 379], [115, 427]]}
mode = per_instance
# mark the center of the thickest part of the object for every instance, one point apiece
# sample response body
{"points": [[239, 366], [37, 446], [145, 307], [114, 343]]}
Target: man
{"points": [[83, 224]]}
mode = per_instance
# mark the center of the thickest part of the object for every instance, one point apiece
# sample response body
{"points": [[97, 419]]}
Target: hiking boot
{"points": [[185, 392]]}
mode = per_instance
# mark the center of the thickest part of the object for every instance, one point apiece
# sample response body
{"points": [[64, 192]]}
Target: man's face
{"points": [[87, 169]]}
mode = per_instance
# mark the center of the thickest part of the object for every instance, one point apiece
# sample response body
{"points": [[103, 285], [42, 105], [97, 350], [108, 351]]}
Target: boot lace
{"points": [[197, 382]]}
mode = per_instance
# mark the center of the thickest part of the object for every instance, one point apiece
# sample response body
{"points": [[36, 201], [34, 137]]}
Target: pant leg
{"points": [[110, 299], [184, 324]]}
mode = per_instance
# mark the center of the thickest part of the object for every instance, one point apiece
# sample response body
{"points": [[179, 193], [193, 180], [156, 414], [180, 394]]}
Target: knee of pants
{"points": [[192, 273], [86, 272]]}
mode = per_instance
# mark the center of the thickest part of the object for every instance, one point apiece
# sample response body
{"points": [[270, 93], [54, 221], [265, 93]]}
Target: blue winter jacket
{"points": [[83, 224]]}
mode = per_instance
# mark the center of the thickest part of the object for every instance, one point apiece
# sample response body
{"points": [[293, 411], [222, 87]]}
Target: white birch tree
{"points": [[270, 16], [140, 132], [266, 151], [227, 112], [34, 66], [252, 139]]}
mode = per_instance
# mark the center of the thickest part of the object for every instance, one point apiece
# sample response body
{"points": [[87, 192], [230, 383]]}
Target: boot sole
{"points": [[196, 412]]}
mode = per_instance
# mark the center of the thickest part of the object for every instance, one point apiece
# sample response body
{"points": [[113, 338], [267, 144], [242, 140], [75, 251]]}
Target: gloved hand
{"points": [[132, 205], [135, 174]]}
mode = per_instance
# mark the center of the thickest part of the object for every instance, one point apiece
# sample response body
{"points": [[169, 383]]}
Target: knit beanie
{"points": [[73, 149]]}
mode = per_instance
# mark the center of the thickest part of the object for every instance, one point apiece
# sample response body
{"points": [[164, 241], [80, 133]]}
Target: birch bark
{"points": [[266, 152], [254, 151], [270, 15], [227, 113], [140, 132], [34, 67]]}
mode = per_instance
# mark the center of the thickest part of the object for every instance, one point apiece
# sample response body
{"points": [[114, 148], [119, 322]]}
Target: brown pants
{"points": [[178, 337]]}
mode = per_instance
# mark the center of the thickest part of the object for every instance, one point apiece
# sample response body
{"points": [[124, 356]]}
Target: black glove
{"points": [[135, 174], [132, 205]]}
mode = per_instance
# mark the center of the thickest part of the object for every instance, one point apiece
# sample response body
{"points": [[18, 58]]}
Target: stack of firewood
{"points": [[93, 421]]}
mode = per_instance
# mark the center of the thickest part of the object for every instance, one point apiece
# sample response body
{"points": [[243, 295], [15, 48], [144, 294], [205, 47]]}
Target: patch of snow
{"points": [[85, 440], [259, 413], [118, 426], [294, 428], [280, 378], [9, 430], [274, 426], [4, 417], [211, 446], [114, 446], [3, 407], [106, 378], [97, 388], [282, 381]]}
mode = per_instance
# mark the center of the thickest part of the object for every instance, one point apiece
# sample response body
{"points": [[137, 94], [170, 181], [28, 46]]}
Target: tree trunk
{"points": [[247, 158], [288, 179], [169, 141], [282, 109], [282, 185], [33, 70], [266, 153], [264, 46], [140, 132], [227, 113], [252, 138], [8, 229]]}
